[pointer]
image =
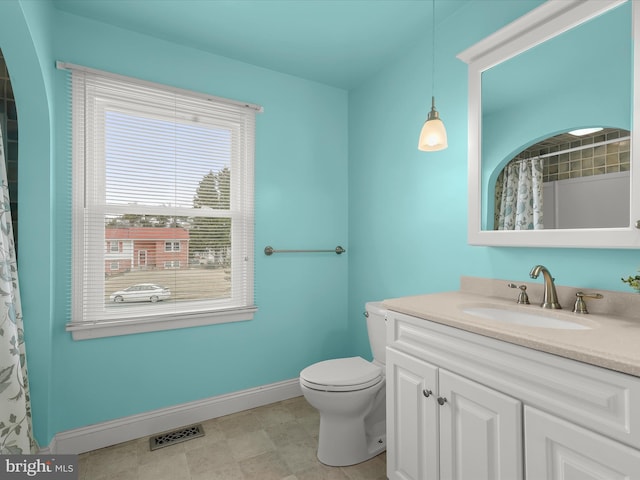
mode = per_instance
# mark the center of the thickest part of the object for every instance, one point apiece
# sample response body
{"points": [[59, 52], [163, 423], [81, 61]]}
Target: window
{"points": [[172, 246], [171, 172], [114, 266]]}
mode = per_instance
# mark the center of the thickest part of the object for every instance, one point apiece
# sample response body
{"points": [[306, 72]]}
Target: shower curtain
{"points": [[520, 202], [16, 435]]}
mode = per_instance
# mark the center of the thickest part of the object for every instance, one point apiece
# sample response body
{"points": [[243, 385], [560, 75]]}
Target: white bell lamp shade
{"points": [[433, 136]]}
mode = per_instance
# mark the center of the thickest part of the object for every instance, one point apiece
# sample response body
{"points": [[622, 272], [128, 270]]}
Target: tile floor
{"points": [[274, 442]]}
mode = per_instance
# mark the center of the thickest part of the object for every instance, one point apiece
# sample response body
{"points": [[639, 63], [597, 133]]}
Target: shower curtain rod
{"points": [[574, 149]]}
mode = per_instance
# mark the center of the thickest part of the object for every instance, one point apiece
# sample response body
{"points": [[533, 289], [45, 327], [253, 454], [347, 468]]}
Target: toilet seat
{"points": [[341, 375]]}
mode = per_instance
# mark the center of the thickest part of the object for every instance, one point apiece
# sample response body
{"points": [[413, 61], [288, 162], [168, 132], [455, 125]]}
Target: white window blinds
{"points": [[162, 206]]}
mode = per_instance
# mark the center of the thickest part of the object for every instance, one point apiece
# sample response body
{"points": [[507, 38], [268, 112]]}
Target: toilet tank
{"points": [[377, 329]]}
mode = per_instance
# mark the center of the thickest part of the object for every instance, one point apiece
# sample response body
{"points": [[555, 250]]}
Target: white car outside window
{"points": [[144, 292]]}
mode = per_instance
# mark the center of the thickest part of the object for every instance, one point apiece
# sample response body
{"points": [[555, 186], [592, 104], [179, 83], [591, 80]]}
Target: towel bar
{"points": [[270, 251]]}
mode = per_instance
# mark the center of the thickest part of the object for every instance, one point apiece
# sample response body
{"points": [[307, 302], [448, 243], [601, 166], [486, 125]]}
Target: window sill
{"points": [[87, 330]]}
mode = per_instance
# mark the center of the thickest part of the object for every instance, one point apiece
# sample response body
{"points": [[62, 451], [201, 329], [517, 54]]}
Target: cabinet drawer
{"points": [[602, 400]]}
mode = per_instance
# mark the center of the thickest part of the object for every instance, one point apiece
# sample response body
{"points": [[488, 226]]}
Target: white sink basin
{"points": [[529, 319]]}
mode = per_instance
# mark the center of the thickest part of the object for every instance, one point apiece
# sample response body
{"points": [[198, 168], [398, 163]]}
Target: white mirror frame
{"points": [[543, 23]]}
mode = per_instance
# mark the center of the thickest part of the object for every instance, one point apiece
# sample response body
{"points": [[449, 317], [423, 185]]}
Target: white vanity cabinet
{"points": [[464, 406], [446, 426]]}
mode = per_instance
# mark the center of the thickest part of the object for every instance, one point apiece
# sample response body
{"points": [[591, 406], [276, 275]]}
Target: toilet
{"points": [[349, 394]]}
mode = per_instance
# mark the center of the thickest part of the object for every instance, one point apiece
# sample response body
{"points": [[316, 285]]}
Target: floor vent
{"points": [[176, 436]]}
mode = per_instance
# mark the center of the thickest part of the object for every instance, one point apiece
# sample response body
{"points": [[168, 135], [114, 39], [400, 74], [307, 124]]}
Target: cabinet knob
{"points": [[426, 392], [442, 400]]}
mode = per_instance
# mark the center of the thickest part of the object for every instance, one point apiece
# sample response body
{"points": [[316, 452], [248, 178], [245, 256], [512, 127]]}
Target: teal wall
{"points": [[301, 197], [25, 42], [408, 209], [332, 167], [301, 191]]}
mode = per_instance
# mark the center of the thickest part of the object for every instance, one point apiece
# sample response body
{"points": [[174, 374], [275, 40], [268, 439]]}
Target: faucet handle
{"points": [[523, 298], [580, 305]]}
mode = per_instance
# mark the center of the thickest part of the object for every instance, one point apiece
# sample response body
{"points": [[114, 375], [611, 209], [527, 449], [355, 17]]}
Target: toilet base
{"points": [[344, 442]]}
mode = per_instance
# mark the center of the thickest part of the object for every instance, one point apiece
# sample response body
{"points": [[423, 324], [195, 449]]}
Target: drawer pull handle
{"points": [[442, 400], [426, 392]]}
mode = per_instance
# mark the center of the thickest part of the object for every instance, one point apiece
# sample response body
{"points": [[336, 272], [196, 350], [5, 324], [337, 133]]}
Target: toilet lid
{"points": [[341, 374]]}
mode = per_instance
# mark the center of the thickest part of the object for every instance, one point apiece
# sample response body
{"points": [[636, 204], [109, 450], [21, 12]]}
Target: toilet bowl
{"points": [[349, 393]]}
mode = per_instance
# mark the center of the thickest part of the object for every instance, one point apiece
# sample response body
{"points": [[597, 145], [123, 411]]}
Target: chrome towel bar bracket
{"points": [[270, 251]]}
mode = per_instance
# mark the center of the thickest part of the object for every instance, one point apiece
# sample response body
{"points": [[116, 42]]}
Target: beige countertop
{"points": [[612, 341]]}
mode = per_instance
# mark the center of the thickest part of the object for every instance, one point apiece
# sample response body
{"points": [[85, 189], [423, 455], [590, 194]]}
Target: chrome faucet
{"points": [[550, 299]]}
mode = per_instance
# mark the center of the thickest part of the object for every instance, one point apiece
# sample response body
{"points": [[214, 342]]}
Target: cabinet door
{"points": [[480, 431], [558, 450], [412, 423]]}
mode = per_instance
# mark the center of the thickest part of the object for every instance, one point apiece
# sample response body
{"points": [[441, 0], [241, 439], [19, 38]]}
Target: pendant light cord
{"points": [[433, 50]]}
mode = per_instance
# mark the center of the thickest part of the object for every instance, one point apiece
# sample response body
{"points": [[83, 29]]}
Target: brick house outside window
{"points": [[143, 248]]}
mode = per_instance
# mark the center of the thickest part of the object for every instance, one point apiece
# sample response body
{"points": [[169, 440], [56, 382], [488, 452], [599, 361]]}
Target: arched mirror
{"points": [[534, 87]]}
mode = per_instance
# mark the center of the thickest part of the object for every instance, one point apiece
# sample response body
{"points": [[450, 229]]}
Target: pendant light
{"points": [[433, 136]]}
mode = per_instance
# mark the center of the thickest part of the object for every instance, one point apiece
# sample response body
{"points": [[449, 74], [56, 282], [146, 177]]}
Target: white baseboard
{"points": [[104, 434]]}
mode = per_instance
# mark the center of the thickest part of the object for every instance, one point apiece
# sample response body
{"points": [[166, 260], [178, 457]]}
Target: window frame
{"points": [[87, 197]]}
